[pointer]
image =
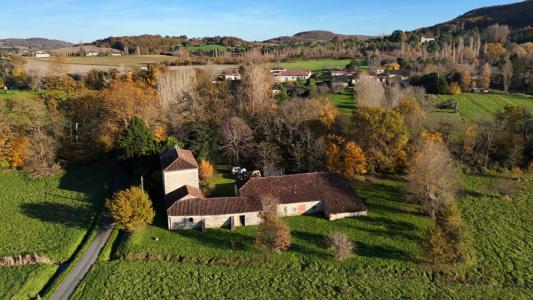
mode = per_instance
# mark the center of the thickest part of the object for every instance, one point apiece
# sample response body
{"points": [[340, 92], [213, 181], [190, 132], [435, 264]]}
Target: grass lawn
{"points": [[221, 263], [474, 106], [127, 60], [314, 65], [344, 102], [48, 216]]}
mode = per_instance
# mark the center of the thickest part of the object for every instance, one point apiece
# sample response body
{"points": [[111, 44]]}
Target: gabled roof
{"points": [[177, 159], [333, 188], [183, 192], [214, 206]]}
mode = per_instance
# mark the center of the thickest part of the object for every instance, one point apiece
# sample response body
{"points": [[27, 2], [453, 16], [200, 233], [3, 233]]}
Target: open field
{"points": [[474, 106], [126, 60], [388, 262], [47, 216], [313, 65], [344, 102], [206, 48]]}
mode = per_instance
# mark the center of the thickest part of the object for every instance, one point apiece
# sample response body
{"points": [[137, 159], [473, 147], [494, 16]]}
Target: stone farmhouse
{"points": [[329, 193]]}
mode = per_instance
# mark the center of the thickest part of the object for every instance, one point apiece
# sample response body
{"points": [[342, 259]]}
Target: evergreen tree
{"points": [[135, 141]]}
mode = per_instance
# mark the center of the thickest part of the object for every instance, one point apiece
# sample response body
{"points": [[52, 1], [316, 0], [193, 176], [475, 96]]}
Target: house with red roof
{"points": [[327, 193]]}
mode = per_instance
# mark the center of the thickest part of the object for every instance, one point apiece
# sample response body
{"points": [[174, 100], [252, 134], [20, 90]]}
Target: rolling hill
{"points": [[37, 43], [313, 35], [516, 15]]}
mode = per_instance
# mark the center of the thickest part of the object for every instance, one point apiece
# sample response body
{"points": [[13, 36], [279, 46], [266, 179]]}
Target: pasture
{"points": [[475, 106], [48, 216], [344, 101], [313, 65], [206, 48], [387, 264]]}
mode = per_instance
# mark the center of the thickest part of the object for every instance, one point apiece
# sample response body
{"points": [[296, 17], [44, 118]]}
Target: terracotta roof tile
{"points": [[182, 192], [333, 188], [214, 206], [178, 159]]}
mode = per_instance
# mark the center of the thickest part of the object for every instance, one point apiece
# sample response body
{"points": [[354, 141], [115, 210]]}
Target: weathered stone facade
{"points": [[173, 180]]}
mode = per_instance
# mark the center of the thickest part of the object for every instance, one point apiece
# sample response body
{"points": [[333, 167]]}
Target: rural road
{"points": [[84, 264], [78, 272]]}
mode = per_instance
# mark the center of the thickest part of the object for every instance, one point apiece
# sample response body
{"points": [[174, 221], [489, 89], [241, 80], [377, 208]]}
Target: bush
{"points": [[341, 244], [131, 208], [272, 233]]}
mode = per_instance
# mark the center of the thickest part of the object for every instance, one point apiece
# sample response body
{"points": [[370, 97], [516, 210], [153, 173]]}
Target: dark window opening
{"points": [[191, 220], [242, 219]]}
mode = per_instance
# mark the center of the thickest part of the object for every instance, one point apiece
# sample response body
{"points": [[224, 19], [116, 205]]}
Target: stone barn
{"points": [[329, 193]]}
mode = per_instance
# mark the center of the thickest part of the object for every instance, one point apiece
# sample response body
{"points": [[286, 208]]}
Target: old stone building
{"points": [[329, 193]]}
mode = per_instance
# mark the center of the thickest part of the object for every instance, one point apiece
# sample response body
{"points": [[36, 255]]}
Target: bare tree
{"points": [[256, 90], [172, 84], [485, 78], [237, 139], [497, 33], [42, 161], [341, 244], [57, 65], [370, 92], [432, 176], [507, 72]]}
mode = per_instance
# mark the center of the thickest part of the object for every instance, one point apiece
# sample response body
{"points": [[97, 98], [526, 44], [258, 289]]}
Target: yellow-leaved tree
{"points": [[131, 208]]}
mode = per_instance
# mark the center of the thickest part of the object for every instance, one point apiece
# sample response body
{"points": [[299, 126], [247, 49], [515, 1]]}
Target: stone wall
{"points": [[332, 217], [173, 180], [215, 221]]}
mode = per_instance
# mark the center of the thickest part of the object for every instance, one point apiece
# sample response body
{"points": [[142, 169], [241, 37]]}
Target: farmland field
{"points": [[127, 60], [47, 216], [388, 263], [473, 106]]}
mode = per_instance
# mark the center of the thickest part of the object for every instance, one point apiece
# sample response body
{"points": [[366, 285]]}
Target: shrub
{"points": [[131, 208], [341, 244], [272, 233]]}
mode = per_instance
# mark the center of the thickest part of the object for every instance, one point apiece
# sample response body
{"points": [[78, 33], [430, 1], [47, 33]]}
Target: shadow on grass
{"points": [[383, 252], [220, 239], [56, 213]]}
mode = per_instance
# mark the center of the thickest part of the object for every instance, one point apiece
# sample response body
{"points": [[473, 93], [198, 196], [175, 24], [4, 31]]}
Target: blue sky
{"points": [[88, 20]]}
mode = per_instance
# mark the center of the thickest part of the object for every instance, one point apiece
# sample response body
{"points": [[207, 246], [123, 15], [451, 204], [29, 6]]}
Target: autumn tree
{"points": [[369, 92], [206, 171], [237, 140], [495, 51], [383, 136], [135, 141], [272, 233], [122, 101], [354, 160], [454, 88], [432, 176], [340, 243], [131, 208], [448, 241]]}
